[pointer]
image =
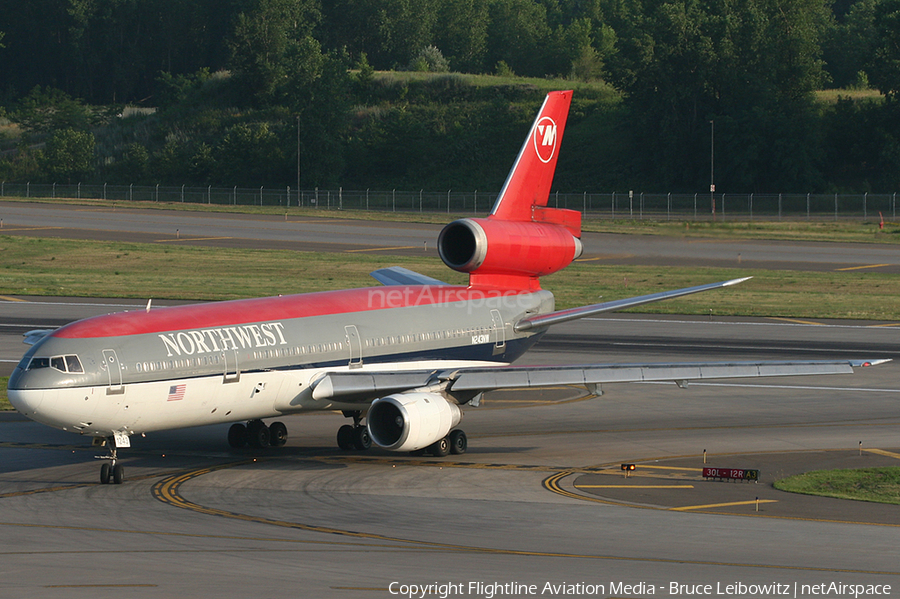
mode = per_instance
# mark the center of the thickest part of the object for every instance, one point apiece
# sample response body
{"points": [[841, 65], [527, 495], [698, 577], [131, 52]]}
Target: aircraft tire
{"points": [[345, 437], [104, 473], [278, 434], [458, 442], [440, 448], [258, 434], [361, 439], [237, 435], [118, 474]]}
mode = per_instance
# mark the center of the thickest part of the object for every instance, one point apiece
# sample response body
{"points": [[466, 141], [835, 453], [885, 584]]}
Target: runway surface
{"points": [[538, 499], [331, 233]]}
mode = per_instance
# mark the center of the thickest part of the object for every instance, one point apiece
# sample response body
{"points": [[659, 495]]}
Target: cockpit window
{"points": [[73, 364], [69, 363], [38, 363]]}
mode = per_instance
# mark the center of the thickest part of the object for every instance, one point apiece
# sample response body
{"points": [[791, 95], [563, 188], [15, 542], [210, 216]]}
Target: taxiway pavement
{"points": [[331, 233], [537, 499]]}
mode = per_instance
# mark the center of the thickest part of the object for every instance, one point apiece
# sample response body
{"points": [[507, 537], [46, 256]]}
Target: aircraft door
{"points": [[352, 335], [232, 368], [114, 372], [499, 331]]}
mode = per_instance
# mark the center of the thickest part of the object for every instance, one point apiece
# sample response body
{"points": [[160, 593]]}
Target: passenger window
{"points": [[74, 364]]}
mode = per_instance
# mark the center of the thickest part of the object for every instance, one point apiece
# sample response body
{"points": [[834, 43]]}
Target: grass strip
{"points": [[881, 485], [60, 267], [4, 398]]}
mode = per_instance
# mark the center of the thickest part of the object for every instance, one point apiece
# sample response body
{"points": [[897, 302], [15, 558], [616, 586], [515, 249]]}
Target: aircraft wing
{"points": [[365, 386], [397, 275]]}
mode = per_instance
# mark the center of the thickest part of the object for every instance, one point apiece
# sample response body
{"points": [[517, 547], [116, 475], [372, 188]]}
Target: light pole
{"points": [[299, 196], [712, 165]]}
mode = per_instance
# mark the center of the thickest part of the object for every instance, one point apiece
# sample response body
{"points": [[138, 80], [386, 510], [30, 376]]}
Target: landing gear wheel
{"points": [[458, 442], [440, 448], [278, 434], [345, 437], [237, 436], [118, 474], [258, 434], [105, 470], [361, 439]]}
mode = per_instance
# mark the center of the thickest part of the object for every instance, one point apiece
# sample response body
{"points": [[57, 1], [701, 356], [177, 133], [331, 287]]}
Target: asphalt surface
{"points": [[538, 499], [330, 233]]}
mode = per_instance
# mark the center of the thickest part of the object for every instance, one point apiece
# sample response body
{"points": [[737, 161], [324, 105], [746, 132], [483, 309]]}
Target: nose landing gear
{"points": [[112, 471]]}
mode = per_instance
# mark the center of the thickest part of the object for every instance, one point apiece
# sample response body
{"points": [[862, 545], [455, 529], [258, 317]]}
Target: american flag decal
{"points": [[176, 393]]}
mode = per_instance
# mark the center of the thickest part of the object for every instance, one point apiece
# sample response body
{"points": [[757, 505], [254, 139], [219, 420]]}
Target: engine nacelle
{"points": [[411, 421], [498, 250]]}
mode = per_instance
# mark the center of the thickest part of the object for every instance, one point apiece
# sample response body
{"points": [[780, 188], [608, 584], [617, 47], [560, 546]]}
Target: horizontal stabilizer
{"points": [[397, 275], [32, 337], [545, 320]]}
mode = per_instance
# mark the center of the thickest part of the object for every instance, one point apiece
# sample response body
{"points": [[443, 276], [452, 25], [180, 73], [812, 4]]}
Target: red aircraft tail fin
{"points": [[522, 239], [528, 183]]}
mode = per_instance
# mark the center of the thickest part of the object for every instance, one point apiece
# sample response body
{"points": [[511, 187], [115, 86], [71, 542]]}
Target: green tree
{"points": [[69, 154], [249, 154], [885, 70], [462, 34], [684, 63], [273, 43], [850, 44], [517, 35], [46, 109]]}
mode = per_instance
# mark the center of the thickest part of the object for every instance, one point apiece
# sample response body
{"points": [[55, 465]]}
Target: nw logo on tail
{"points": [[545, 139]]}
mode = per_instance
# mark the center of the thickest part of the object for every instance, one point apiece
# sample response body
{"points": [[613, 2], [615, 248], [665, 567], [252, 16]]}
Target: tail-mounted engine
{"points": [[511, 254], [411, 421]]}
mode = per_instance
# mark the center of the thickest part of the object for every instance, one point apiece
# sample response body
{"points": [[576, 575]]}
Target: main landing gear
{"points": [[354, 437], [357, 437], [455, 443], [257, 435], [111, 471]]}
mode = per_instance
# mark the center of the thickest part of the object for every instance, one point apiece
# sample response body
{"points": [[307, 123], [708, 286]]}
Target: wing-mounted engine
{"points": [[412, 421], [510, 254]]}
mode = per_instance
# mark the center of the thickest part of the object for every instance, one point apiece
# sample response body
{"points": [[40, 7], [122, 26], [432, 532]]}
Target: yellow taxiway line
{"points": [[861, 267], [191, 239], [712, 505], [634, 486], [400, 247], [889, 454]]}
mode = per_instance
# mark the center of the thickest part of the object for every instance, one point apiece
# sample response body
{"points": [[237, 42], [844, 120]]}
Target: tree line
{"points": [[662, 85]]}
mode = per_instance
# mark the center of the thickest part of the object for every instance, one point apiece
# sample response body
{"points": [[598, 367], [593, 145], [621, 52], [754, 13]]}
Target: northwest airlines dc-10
{"points": [[402, 357]]}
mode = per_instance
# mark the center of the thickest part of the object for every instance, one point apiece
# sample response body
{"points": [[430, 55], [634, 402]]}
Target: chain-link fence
{"points": [[613, 205]]}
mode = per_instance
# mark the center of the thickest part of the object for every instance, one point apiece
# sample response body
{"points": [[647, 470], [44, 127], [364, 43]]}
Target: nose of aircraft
{"points": [[25, 401]]}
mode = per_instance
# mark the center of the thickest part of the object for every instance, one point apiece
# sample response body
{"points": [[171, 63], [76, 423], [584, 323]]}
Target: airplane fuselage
{"points": [[142, 371]]}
